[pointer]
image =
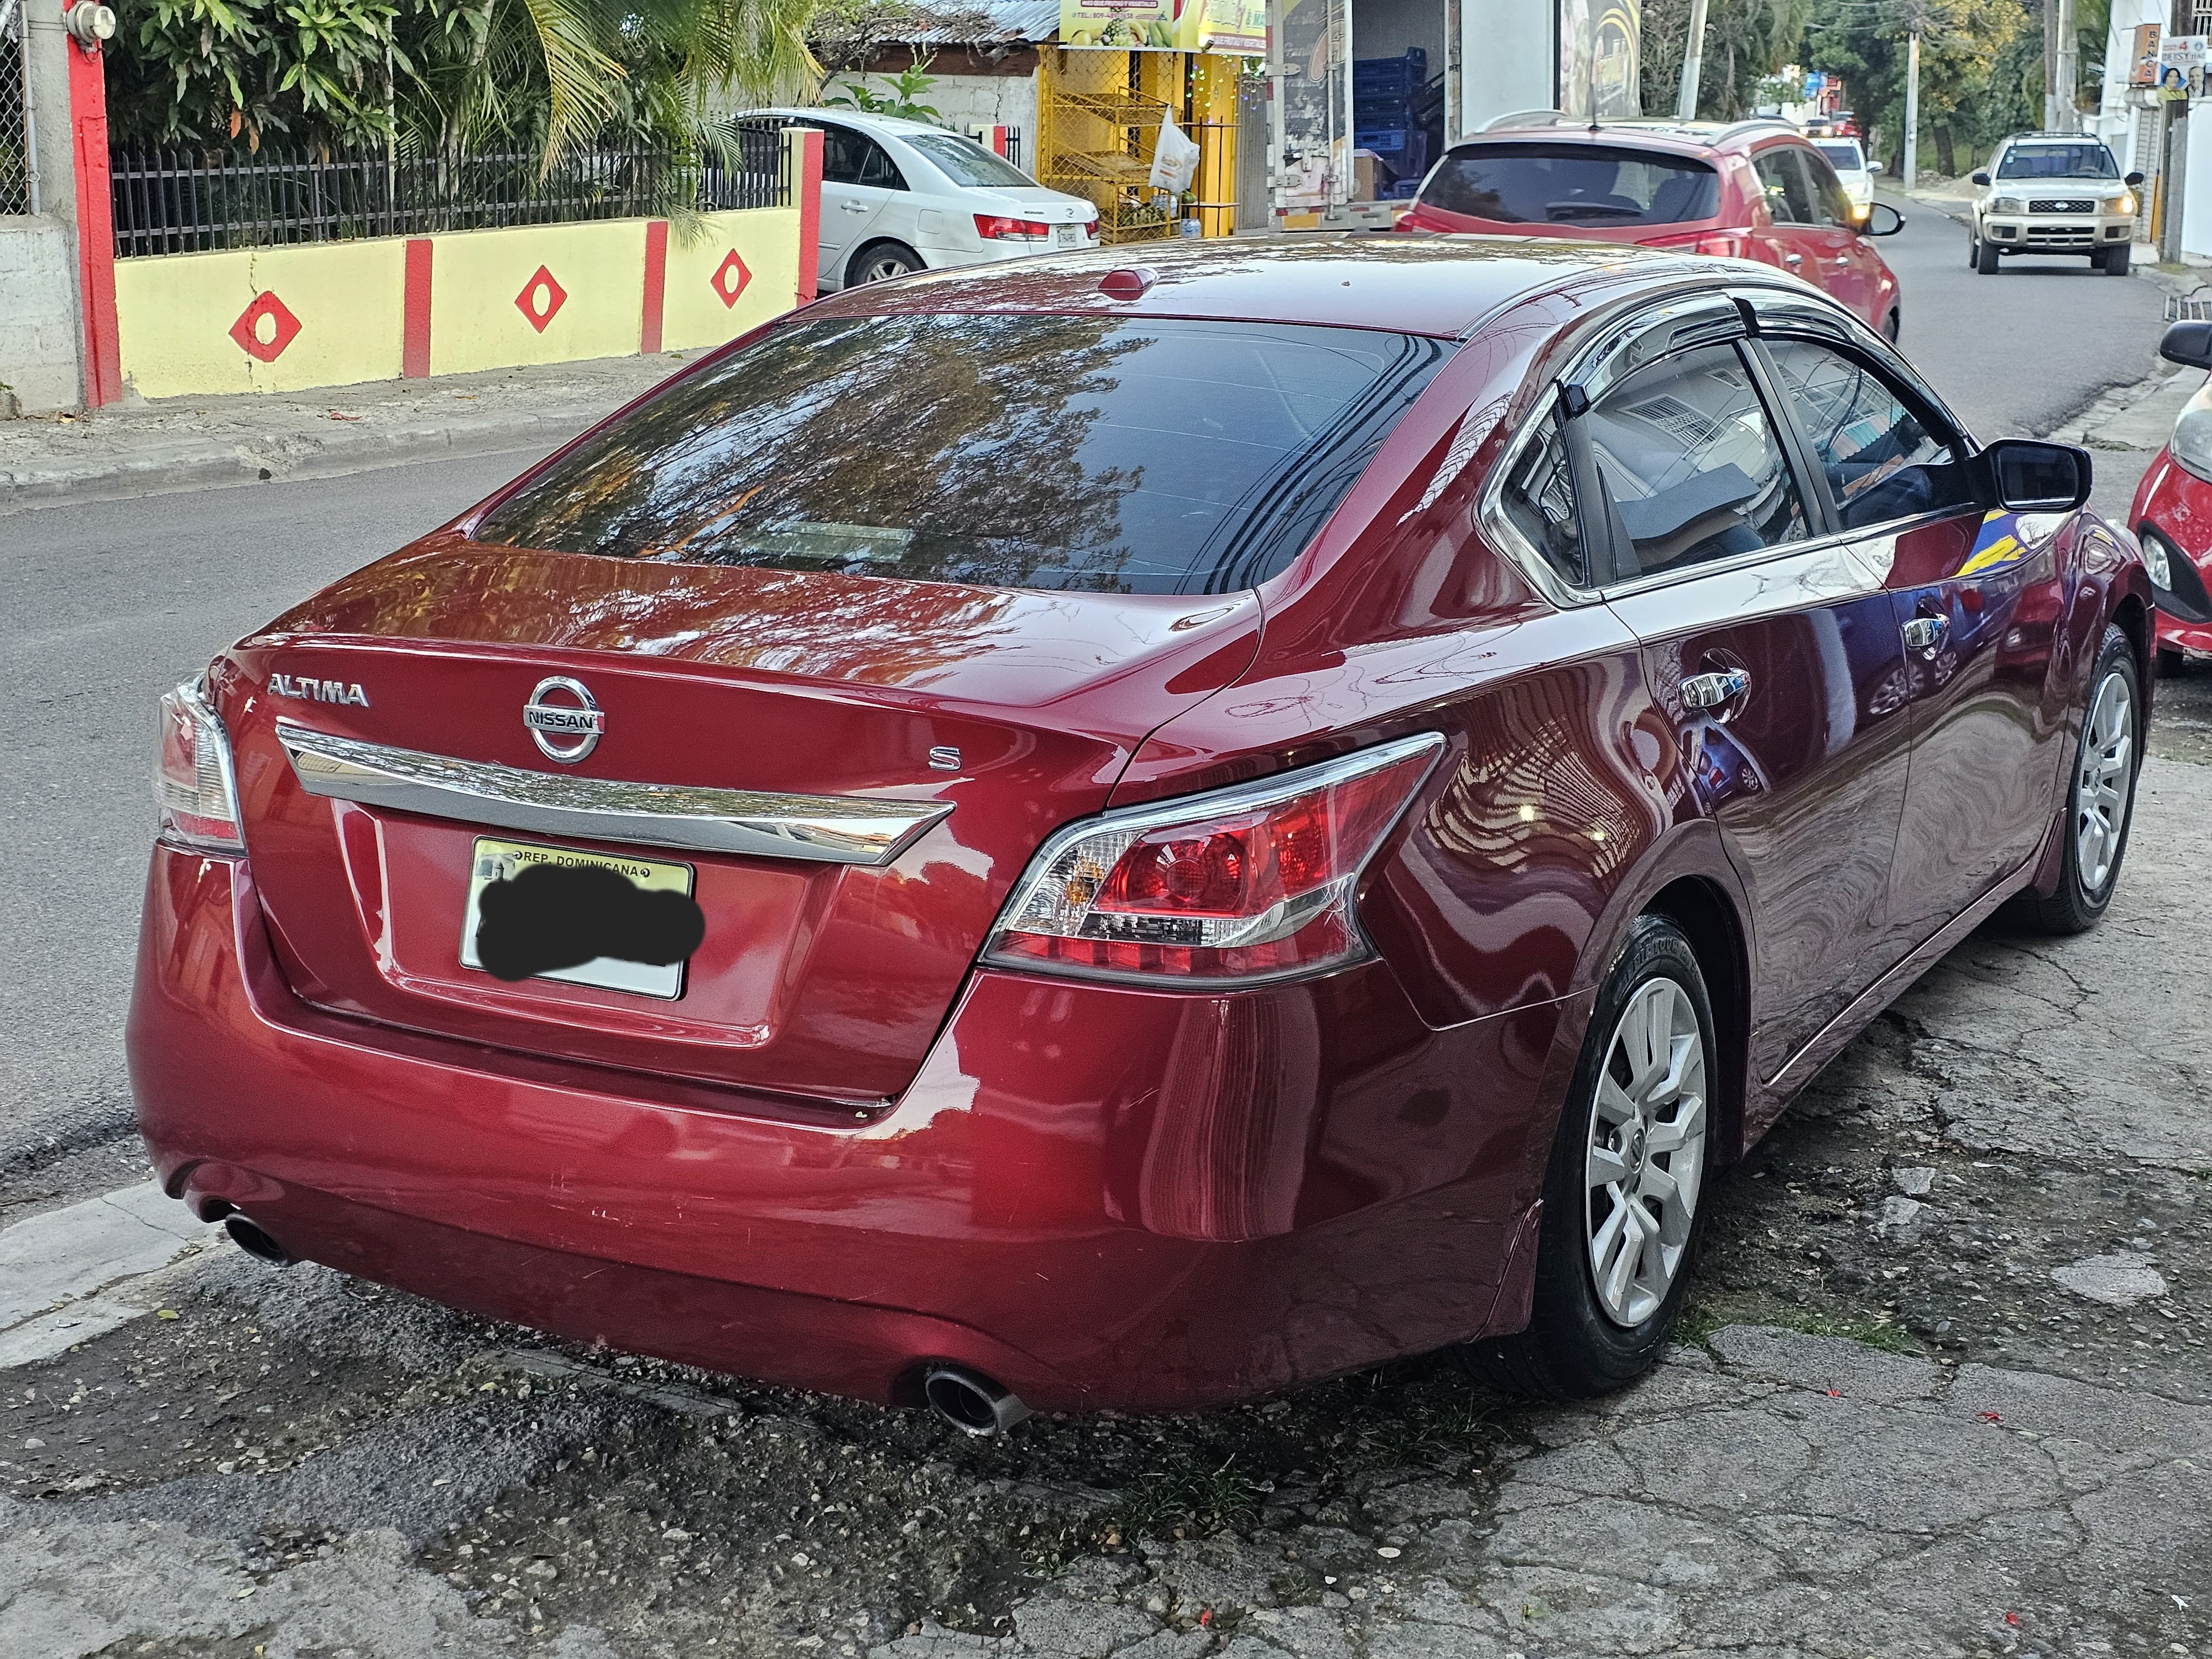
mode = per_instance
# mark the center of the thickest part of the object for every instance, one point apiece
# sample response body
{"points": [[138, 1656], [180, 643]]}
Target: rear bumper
{"points": [[1097, 1196]]}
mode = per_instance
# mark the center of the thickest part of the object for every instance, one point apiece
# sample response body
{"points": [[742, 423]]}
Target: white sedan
{"points": [[1852, 169], [900, 196]]}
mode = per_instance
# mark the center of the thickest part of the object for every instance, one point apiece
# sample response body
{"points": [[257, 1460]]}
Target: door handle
{"points": [[1793, 258], [1711, 691], [853, 207], [1926, 633], [1842, 261]]}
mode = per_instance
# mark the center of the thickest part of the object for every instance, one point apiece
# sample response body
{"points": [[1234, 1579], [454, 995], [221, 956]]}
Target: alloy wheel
{"points": [[1645, 1154], [883, 267], [2100, 785]]}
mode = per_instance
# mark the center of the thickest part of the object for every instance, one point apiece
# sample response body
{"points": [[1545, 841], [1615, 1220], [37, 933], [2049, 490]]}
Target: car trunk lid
{"points": [[976, 719]]}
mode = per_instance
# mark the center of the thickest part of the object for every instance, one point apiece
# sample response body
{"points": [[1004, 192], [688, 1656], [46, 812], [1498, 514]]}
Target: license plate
{"points": [[1070, 236], [501, 860]]}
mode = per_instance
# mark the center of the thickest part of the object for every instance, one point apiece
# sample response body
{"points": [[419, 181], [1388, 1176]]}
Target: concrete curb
{"points": [[163, 467]]}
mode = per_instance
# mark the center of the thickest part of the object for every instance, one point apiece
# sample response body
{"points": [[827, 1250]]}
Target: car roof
{"points": [[1444, 286], [899, 126], [1677, 137]]}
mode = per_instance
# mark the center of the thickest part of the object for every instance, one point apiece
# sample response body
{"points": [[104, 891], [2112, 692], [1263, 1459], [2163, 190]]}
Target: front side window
{"points": [[1691, 468], [1555, 183], [967, 162], [2077, 160], [1111, 454], [1539, 497], [1883, 462], [1788, 194], [1834, 201]]}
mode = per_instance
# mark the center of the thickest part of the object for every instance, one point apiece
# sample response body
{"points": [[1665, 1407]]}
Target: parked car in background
{"points": [[1250, 815], [1853, 171], [2172, 511], [901, 196], [2053, 192], [1754, 189]]}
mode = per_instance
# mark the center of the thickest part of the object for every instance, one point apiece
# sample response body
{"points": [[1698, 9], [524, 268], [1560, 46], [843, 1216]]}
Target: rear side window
{"points": [[1691, 467], [853, 158], [1843, 154], [1539, 497], [1111, 454], [1540, 183], [966, 162]]}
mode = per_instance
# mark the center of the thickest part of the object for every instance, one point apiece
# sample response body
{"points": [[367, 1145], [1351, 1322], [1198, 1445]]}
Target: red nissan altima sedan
{"points": [[1073, 835]]}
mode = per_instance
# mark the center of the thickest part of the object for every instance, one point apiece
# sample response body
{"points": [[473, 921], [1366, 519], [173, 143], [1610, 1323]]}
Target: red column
{"points": [[95, 226], [807, 177], [415, 312], [656, 286]]}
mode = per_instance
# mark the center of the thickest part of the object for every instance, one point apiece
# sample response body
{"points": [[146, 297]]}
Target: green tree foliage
{"points": [[1745, 42], [450, 75]]}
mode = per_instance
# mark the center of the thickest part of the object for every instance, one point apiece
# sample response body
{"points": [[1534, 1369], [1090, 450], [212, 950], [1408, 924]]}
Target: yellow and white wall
{"points": [[337, 313]]}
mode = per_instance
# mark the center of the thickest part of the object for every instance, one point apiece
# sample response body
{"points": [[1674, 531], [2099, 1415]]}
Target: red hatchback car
{"points": [[2172, 511], [1250, 816], [1755, 190]]}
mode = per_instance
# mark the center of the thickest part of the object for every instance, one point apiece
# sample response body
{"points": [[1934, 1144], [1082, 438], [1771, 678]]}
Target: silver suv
{"points": [[2053, 192]]}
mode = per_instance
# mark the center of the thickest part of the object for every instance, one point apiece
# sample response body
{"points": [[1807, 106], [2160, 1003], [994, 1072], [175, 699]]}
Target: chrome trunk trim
{"points": [[819, 828]]}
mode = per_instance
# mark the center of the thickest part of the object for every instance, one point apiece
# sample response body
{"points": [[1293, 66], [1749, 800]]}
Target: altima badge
{"points": [[284, 685], [581, 723]]}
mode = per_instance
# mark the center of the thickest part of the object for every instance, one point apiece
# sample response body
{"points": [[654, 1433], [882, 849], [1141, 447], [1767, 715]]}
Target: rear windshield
{"points": [[1554, 184], [1843, 154], [967, 162], [1111, 454], [2090, 160]]}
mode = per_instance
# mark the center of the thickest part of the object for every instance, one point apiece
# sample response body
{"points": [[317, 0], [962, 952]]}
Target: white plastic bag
{"points": [[1174, 159]]}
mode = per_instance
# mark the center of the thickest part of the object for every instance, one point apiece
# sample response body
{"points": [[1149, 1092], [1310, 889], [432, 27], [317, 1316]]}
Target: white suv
{"points": [[2053, 192]]}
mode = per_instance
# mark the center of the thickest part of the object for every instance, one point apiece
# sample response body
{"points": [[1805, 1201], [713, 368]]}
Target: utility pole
{"points": [[2172, 183], [1913, 111], [2050, 65], [2065, 75], [1693, 63]]}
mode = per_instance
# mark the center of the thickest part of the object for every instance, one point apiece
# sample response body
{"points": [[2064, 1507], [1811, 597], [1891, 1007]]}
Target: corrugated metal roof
{"points": [[1012, 21]]}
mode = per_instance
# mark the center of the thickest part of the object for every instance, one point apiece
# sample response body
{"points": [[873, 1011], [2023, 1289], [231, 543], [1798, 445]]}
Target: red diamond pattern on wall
{"points": [[730, 278], [541, 299], [265, 328]]}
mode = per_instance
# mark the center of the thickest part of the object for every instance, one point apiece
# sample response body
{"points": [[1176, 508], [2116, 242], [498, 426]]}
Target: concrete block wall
{"points": [[40, 325], [962, 101]]}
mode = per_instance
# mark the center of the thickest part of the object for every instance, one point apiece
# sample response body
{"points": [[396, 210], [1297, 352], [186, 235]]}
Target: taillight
{"points": [[192, 781], [1722, 244], [1091, 228], [993, 229], [1239, 886]]}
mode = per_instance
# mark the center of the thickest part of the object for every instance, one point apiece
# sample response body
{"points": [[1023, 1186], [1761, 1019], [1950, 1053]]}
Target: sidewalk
{"points": [[143, 448]]}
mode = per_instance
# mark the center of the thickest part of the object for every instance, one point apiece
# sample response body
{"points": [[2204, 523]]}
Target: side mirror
{"points": [[2025, 474], [2187, 343], [1882, 219], [1981, 175], [2132, 180]]}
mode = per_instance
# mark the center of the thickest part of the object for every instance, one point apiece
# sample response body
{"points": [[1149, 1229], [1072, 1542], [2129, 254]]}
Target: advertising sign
{"points": [[2181, 67], [2142, 55], [1234, 26], [1598, 40]]}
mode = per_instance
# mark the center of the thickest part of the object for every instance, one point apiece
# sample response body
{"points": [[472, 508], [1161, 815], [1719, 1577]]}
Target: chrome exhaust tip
{"points": [[970, 1401], [250, 1239]]}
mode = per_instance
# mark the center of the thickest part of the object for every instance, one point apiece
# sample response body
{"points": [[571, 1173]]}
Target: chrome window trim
{"points": [[815, 828], [1792, 310], [1797, 577]]}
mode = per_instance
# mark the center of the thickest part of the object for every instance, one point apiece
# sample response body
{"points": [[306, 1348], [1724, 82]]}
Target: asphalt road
{"points": [[2014, 354]]}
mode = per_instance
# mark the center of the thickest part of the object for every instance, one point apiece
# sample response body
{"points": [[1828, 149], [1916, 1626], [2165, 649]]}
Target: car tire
{"points": [[2108, 753], [1973, 251], [1583, 1340], [1892, 327], [880, 262], [2171, 664], [1986, 258], [2115, 262]]}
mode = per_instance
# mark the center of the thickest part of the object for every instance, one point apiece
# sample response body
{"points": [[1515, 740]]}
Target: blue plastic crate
{"points": [[1383, 141]]}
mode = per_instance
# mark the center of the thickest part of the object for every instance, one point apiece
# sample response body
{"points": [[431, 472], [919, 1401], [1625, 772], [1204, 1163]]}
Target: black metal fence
{"points": [[184, 201]]}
